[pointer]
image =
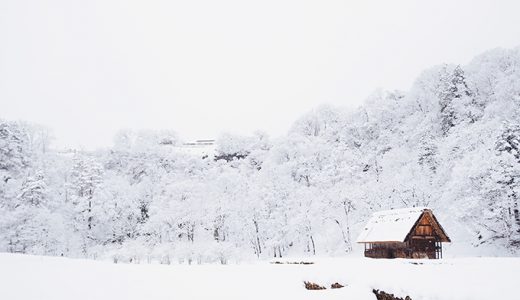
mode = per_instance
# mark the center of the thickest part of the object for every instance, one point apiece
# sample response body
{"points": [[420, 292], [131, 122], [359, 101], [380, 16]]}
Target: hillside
{"points": [[451, 143]]}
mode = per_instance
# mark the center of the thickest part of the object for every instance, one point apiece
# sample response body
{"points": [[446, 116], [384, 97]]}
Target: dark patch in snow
{"points": [[313, 286], [380, 295], [336, 285]]}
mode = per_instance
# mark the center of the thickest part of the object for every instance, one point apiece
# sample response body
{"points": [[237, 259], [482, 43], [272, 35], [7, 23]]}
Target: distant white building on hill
{"points": [[202, 148]]}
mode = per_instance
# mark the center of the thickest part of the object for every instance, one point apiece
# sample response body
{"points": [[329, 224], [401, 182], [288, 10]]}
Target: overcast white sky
{"points": [[88, 68]]}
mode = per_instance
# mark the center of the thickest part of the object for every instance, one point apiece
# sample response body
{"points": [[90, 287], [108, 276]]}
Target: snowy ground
{"points": [[32, 277]]}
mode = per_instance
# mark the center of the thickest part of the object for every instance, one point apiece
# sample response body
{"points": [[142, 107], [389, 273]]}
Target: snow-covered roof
{"points": [[390, 225]]}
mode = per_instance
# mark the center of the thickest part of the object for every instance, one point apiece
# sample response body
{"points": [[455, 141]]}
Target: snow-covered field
{"points": [[33, 277]]}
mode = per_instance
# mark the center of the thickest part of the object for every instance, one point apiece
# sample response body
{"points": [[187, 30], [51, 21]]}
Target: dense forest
{"points": [[452, 143]]}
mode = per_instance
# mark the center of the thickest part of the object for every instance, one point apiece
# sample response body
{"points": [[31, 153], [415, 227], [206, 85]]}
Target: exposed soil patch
{"points": [[313, 286], [336, 286], [292, 262], [380, 295]]}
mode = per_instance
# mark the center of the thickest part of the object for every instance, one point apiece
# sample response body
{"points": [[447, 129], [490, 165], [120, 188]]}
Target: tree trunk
{"points": [[258, 246]]}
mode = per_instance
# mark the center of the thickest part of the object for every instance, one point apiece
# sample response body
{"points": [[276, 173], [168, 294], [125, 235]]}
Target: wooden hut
{"points": [[403, 233]]}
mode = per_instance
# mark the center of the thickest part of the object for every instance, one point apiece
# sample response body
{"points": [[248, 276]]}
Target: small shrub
{"points": [[336, 286], [380, 295], [313, 286]]}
